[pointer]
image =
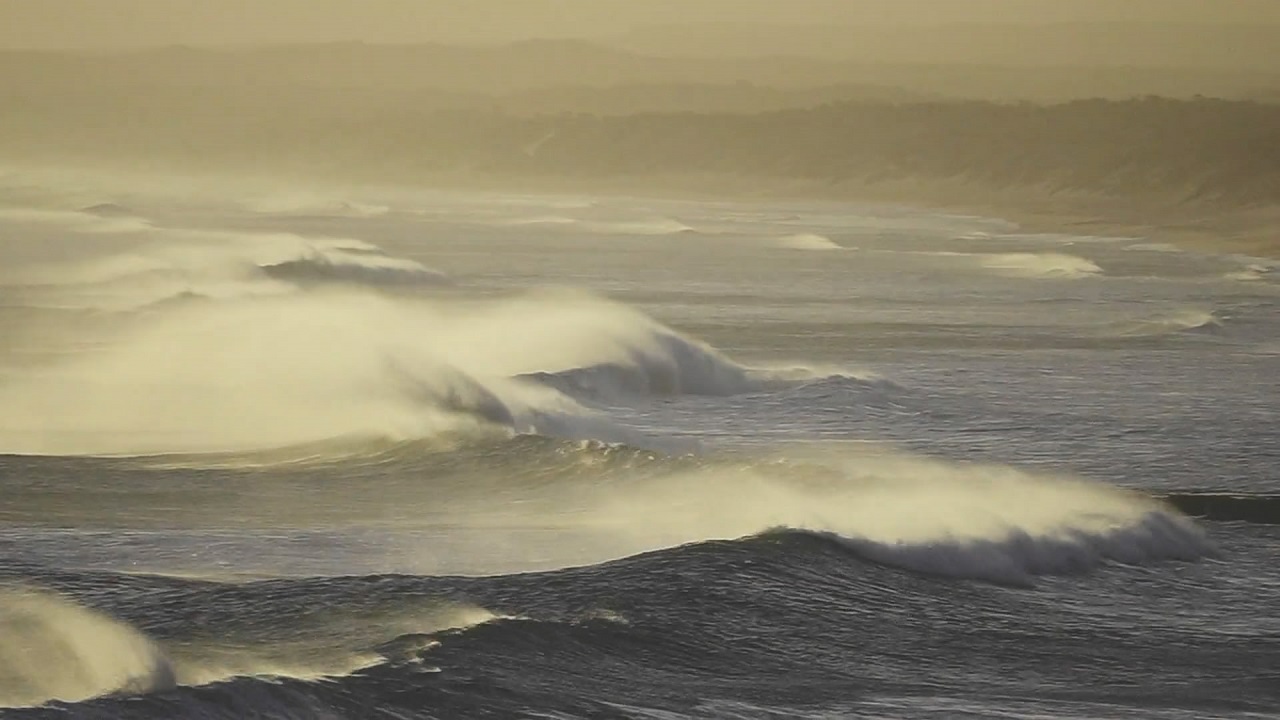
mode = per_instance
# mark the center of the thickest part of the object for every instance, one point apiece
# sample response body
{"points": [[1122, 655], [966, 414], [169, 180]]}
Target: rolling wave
{"points": [[1040, 265], [808, 241], [541, 220], [1171, 322], [1253, 272], [589, 502], [55, 649], [667, 364], [702, 553], [987, 523], [58, 650], [654, 227], [264, 372], [1028, 265], [184, 264]]}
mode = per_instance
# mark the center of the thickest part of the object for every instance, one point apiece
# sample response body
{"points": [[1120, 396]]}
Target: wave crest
{"points": [[54, 649], [989, 523], [1171, 322], [276, 371], [187, 264], [808, 241], [655, 227], [1019, 557], [1041, 265]]}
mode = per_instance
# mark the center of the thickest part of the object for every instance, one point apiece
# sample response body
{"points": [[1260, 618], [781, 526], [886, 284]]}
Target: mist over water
{"points": [[640, 359], [481, 452]]}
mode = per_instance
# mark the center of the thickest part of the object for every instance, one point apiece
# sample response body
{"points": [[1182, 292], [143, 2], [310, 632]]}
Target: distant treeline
{"points": [[1206, 150], [1210, 151], [987, 69]]}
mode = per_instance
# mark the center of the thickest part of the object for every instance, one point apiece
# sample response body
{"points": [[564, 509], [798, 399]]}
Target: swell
{"points": [[1227, 507], [168, 265], [772, 614], [653, 227], [1028, 265], [1186, 320], [584, 503], [58, 650]]}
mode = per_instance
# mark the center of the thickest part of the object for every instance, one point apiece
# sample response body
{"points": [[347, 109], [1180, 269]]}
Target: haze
{"points": [[125, 23]]}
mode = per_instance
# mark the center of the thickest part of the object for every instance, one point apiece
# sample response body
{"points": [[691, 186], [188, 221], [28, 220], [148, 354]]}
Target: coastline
{"points": [[1192, 226], [1204, 227]]}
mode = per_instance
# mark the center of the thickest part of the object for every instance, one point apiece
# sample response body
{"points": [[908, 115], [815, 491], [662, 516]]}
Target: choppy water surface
{"points": [[406, 454]]}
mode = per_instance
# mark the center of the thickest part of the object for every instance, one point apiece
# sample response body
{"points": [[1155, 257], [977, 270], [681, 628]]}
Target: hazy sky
{"points": [[116, 23]]}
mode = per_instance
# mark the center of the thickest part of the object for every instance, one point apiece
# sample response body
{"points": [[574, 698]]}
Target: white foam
{"points": [[1252, 272], [808, 241], [541, 220], [218, 264], [53, 649], [982, 522], [327, 644], [1040, 265], [1155, 247], [266, 372], [656, 226], [1167, 322]]}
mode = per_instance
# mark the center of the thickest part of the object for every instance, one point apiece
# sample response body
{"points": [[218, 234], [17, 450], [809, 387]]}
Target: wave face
{"points": [[676, 557], [986, 523]]}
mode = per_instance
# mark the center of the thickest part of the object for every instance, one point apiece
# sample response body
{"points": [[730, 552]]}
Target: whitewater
{"points": [[282, 451]]}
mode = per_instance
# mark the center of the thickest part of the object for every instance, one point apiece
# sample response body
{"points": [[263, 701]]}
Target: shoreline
{"points": [[1192, 227], [1199, 227]]}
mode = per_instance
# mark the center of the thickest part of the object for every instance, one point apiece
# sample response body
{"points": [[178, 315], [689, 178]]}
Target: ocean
{"points": [[377, 452]]}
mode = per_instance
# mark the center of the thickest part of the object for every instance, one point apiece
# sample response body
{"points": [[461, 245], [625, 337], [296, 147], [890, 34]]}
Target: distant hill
{"points": [[1252, 47], [1207, 151], [1213, 152], [526, 68]]}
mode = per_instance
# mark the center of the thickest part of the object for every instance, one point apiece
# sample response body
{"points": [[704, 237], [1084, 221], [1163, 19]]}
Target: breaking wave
{"points": [[1030, 265], [192, 264], [1040, 265], [658, 226], [981, 522], [320, 644], [1253, 272], [541, 220], [1176, 321], [273, 371], [808, 241], [54, 649], [57, 650]]}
